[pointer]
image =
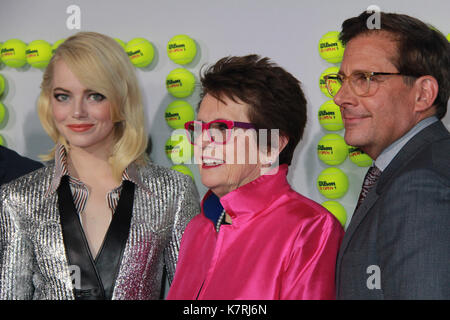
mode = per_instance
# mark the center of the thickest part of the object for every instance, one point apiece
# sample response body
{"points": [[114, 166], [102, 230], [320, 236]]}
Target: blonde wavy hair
{"points": [[101, 65]]}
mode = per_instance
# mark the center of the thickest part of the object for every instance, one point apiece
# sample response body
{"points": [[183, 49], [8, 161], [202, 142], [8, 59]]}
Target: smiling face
{"points": [[82, 116], [224, 168], [373, 123]]}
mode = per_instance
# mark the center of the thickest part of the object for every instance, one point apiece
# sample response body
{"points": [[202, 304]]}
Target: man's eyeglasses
{"points": [[362, 83], [219, 131]]}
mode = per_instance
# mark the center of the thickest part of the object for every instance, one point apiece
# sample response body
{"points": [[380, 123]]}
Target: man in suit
{"points": [[13, 165], [395, 84]]}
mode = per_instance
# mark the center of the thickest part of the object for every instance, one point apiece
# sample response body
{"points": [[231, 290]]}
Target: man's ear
{"points": [[427, 89]]}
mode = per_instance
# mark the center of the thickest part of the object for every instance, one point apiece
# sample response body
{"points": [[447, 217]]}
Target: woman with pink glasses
{"points": [[255, 238]]}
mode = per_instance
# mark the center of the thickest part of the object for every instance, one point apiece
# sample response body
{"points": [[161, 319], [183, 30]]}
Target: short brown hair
{"points": [[274, 96], [422, 50]]}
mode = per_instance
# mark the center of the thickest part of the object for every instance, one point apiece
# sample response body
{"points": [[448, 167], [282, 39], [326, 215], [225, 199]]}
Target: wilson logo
{"points": [[8, 51], [324, 113], [134, 53], [328, 45], [321, 147], [327, 184], [176, 46], [172, 116], [174, 83]]}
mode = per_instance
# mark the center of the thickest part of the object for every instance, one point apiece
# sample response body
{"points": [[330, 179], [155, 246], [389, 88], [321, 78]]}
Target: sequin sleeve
{"points": [[187, 207], [16, 258]]}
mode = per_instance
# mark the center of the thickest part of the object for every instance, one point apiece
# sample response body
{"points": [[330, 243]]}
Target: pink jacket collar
{"points": [[255, 196]]}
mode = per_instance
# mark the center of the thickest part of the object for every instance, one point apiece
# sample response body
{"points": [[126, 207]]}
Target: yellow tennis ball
{"points": [[2, 85], [337, 210], [179, 149], [332, 149], [183, 169], [180, 83], [56, 45], [39, 53], [140, 51], [331, 48], [2, 141], [448, 37], [323, 85], [2, 112], [178, 113], [332, 183], [330, 117], [13, 53], [359, 157], [181, 49], [122, 44]]}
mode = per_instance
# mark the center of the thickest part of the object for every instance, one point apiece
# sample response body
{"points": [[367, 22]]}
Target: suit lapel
{"points": [[97, 277], [77, 247], [109, 258], [357, 218]]}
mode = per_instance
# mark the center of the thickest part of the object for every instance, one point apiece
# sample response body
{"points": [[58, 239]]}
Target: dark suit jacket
{"points": [[12, 165], [397, 245]]}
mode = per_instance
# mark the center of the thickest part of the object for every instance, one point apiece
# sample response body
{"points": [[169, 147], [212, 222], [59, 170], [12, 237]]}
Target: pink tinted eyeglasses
{"points": [[219, 131]]}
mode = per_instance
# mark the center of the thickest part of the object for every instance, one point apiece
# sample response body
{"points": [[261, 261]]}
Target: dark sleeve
{"points": [[414, 237], [13, 166]]}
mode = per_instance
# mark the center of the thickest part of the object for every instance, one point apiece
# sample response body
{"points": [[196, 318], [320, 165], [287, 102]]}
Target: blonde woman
{"points": [[101, 221]]}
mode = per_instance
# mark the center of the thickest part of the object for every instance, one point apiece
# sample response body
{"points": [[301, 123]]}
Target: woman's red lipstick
{"points": [[80, 127]]}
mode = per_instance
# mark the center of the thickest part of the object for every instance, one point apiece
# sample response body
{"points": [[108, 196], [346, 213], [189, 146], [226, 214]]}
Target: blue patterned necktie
{"points": [[370, 179]]}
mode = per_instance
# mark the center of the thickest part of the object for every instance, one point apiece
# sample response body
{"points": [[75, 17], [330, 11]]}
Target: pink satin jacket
{"points": [[280, 245]]}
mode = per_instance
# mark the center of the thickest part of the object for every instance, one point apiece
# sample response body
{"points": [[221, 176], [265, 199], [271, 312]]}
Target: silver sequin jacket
{"points": [[33, 263]]}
